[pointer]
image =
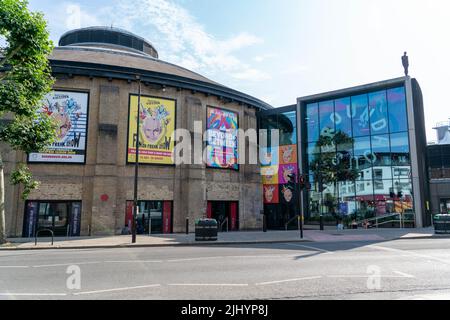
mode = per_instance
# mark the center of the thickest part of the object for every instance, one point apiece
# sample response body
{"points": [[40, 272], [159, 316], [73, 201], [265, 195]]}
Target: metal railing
{"points": [[221, 225], [401, 219], [42, 230], [289, 222]]}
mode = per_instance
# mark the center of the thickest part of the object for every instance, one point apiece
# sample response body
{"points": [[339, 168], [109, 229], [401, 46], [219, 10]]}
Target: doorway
{"points": [[223, 212], [62, 217], [154, 215]]}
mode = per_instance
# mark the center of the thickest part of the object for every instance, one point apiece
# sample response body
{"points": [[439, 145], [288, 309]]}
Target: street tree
{"points": [[25, 78]]}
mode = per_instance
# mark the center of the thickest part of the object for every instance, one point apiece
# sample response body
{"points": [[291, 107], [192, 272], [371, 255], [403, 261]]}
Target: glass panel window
{"points": [[398, 120], [400, 149], [360, 115], [343, 116], [288, 128], [363, 157], [326, 112], [378, 110], [381, 149], [312, 122]]}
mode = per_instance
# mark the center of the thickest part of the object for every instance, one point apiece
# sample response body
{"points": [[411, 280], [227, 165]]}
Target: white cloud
{"points": [[184, 41], [251, 75], [76, 18], [264, 57]]}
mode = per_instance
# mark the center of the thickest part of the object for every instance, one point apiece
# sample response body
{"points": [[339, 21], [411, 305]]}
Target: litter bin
{"points": [[206, 230], [442, 223]]}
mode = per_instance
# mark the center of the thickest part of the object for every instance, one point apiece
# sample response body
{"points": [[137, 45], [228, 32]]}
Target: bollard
{"points": [[187, 225], [321, 223]]}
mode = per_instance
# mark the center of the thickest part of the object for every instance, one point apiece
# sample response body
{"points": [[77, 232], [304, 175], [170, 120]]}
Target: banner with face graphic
{"points": [[269, 156], [222, 145], [285, 171], [288, 154], [271, 194], [270, 175], [69, 110], [157, 118]]}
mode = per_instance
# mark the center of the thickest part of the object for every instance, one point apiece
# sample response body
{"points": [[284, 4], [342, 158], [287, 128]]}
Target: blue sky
{"points": [[278, 50]]}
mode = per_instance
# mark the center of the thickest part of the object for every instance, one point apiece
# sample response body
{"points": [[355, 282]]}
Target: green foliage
{"points": [[23, 176], [25, 78]]}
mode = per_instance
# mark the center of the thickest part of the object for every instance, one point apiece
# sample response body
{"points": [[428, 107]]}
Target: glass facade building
{"points": [[363, 152], [358, 156]]}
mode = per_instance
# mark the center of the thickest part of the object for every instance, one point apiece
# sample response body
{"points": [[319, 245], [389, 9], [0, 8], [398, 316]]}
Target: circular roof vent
{"points": [[108, 37]]}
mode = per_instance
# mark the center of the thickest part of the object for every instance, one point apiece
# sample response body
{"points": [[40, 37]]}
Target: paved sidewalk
{"points": [[224, 238]]}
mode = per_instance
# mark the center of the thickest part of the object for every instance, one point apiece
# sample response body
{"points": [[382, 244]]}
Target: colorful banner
{"points": [[268, 156], [70, 112], [157, 126], [222, 145], [270, 175], [271, 194], [288, 154], [285, 171]]}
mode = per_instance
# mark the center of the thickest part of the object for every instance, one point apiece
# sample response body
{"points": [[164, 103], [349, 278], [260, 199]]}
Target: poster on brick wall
{"points": [[69, 111], [222, 146], [157, 126]]}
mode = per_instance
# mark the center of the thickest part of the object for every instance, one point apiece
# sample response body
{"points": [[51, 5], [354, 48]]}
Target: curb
{"points": [[194, 244], [125, 246]]}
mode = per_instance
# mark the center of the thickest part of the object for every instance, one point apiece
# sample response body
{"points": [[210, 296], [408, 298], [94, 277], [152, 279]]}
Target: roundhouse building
{"points": [[87, 176]]}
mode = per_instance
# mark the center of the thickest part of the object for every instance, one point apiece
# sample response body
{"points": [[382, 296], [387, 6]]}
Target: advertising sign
{"points": [[288, 154], [285, 171], [75, 221], [271, 194], [70, 112], [268, 156], [156, 145], [30, 222], [270, 175], [222, 144]]}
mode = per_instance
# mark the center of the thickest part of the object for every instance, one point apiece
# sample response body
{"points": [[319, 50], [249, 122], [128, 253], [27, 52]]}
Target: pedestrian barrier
{"points": [[43, 230]]}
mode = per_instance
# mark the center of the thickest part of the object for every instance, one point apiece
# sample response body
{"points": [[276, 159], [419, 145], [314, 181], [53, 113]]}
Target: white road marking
{"points": [[308, 247], [233, 257], [209, 284], [66, 264], [404, 274], [288, 280], [413, 254], [117, 289], [135, 261], [14, 267], [9, 294], [367, 276]]}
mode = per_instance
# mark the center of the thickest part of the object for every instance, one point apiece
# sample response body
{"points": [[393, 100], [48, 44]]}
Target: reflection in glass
{"points": [[326, 112], [343, 116], [397, 110], [288, 128], [378, 111], [361, 119], [312, 122], [400, 149], [363, 156]]}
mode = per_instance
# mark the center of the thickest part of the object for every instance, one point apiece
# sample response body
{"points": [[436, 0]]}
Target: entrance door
{"points": [[160, 213], [223, 210], [63, 218]]}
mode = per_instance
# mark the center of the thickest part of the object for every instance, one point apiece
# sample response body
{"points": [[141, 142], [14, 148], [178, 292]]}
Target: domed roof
{"points": [[118, 54], [108, 37]]}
